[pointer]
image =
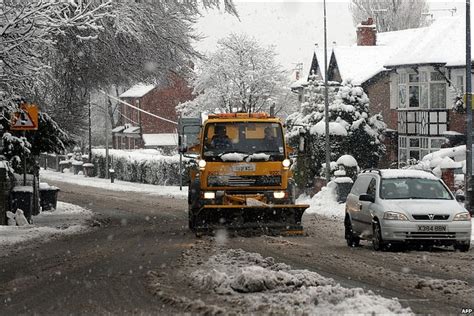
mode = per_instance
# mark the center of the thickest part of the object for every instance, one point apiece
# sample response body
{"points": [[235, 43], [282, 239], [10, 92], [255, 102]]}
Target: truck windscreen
{"points": [[243, 141]]}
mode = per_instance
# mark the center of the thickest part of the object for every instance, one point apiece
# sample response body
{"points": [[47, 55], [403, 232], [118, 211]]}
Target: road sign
{"points": [[26, 119]]}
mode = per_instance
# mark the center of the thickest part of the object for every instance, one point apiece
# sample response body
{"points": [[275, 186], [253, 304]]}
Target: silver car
{"points": [[405, 206]]}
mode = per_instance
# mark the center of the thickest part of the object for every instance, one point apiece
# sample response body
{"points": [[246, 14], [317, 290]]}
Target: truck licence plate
{"points": [[432, 228], [244, 167]]}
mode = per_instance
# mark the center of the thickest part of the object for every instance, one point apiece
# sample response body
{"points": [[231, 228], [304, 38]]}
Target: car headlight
{"points": [[279, 194], [202, 164], [395, 216], [286, 163], [464, 216], [209, 195]]}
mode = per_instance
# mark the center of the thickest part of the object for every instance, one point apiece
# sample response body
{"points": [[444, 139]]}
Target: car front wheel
{"points": [[377, 242], [352, 241], [462, 246]]}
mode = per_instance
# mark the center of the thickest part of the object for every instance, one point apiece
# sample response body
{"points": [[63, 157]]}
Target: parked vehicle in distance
{"points": [[405, 206]]}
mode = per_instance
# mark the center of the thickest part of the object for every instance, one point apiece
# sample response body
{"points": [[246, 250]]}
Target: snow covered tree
{"points": [[390, 15], [352, 129], [241, 75]]}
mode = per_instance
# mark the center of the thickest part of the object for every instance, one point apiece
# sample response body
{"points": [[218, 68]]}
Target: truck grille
{"points": [[427, 217], [243, 181]]}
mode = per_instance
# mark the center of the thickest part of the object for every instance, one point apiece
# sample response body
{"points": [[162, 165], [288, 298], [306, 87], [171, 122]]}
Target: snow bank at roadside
{"points": [[67, 219], [260, 285], [324, 202], [122, 186]]}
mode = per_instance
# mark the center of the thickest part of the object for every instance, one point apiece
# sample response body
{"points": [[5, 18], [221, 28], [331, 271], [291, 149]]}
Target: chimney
{"points": [[367, 33]]}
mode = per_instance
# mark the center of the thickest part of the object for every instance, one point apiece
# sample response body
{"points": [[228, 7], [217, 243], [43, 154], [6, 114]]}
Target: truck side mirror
{"points": [[182, 144], [301, 144]]}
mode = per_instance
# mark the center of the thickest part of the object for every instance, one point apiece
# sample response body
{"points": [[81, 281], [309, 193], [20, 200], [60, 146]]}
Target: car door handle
{"points": [[360, 206]]}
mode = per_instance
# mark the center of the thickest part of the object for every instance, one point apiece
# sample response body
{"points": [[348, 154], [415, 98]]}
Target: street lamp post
{"points": [[468, 108], [326, 101]]}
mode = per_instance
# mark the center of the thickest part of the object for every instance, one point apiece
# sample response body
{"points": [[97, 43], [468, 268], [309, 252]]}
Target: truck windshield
{"points": [[413, 188], [243, 141]]}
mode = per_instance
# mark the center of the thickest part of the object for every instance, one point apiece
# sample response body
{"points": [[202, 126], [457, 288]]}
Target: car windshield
{"points": [[413, 188], [243, 141]]}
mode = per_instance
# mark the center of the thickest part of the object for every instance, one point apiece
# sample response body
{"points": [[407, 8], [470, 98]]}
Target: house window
{"points": [[402, 91], [417, 147], [422, 90]]}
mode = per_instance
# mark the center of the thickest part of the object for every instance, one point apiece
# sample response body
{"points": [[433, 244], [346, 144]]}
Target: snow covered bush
{"points": [[143, 166], [352, 129]]}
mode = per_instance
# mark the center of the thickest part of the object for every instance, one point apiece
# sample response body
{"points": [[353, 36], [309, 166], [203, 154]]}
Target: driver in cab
{"points": [[220, 140]]}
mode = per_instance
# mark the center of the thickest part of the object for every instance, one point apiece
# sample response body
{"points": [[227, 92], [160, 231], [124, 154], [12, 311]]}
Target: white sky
{"points": [[293, 27]]}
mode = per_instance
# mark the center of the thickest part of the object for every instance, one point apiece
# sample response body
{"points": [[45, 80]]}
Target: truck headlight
{"points": [[464, 216], [395, 216], [286, 163], [202, 164], [279, 194], [209, 195]]}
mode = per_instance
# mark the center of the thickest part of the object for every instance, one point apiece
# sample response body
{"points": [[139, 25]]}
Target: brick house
{"points": [[363, 65], [137, 129], [427, 74], [390, 67]]}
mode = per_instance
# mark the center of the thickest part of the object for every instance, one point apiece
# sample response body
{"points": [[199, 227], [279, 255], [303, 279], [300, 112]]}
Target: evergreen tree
{"points": [[352, 130]]}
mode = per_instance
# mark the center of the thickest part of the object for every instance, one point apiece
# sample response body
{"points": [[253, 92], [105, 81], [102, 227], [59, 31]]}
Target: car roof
{"points": [[402, 174]]}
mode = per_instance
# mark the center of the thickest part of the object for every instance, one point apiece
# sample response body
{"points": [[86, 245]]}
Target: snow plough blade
{"points": [[275, 219]]}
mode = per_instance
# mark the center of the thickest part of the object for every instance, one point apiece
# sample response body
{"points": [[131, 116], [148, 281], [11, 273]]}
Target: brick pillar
{"points": [[447, 174]]}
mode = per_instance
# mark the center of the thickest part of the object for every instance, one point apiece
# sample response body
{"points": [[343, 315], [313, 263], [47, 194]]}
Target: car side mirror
{"points": [[460, 198], [367, 198]]}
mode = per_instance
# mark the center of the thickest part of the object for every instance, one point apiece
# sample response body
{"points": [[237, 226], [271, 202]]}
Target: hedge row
{"points": [[143, 168]]}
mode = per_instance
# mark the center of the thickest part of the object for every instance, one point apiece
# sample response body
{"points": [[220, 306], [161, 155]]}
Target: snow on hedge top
{"points": [[163, 139], [347, 160], [407, 173], [439, 43], [137, 91], [140, 155]]}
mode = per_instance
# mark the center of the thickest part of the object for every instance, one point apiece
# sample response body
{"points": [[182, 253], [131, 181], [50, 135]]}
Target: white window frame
{"points": [[424, 84], [424, 146]]}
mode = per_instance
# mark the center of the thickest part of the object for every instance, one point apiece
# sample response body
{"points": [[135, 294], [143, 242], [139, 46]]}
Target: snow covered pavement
{"points": [[169, 191], [66, 219]]}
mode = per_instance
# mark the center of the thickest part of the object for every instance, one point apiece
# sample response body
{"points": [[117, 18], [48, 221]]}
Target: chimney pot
{"points": [[367, 33]]}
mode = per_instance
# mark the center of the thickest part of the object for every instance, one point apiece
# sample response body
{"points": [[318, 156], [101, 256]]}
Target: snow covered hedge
{"points": [[143, 166]]}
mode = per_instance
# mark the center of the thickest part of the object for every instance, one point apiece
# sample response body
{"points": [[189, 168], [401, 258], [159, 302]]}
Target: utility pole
{"points": [[106, 140], [468, 109], [90, 130], [326, 101]]}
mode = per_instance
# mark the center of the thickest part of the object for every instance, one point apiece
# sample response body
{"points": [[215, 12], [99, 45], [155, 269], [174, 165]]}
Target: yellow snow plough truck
{"points": [[243, 180]]}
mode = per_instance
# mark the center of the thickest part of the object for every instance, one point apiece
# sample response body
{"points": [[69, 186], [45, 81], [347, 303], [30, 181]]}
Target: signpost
{"points": [[25, 119]]}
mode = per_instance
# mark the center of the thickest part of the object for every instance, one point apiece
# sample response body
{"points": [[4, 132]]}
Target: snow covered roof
{"points": [[164, 139], [360, 63], [137, 91], [118, 129], [131, 130], [443, 42]]}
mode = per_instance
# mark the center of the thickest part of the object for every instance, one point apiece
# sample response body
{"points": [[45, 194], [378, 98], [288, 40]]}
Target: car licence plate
{"points": [[244, 167], [432, 228]]}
